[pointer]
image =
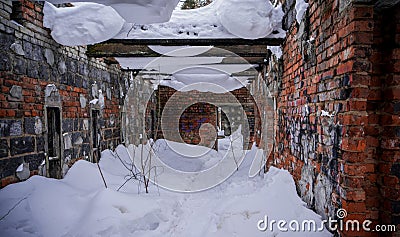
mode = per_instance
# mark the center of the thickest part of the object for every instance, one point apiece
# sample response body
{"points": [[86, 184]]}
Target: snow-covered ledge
{"points": [[84, 24], [247, 19]]}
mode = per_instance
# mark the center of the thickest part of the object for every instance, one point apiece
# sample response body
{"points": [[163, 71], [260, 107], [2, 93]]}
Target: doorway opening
{"points": [[95, 135], [54, 155]]}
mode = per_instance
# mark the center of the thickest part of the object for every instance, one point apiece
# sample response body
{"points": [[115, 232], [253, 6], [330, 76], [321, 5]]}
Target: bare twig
{"points": [[9, 211], [133, 25], [101, 173]]}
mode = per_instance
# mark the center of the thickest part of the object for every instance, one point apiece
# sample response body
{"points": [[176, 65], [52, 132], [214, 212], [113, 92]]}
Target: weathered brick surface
{"points": [[30, 60], [337, 115], [192, 109], [385, 56]]}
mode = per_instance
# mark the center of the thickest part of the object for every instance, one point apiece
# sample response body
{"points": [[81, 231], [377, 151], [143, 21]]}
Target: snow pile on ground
{"points": [[89, 23], [150, 159], [200, 157], [79, 205]]}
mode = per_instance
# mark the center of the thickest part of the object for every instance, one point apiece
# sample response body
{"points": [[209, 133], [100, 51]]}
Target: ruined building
{"points": [[336, 90]]}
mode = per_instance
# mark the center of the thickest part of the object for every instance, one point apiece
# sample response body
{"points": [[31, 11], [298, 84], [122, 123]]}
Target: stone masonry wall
{"points": [[36, 73]]}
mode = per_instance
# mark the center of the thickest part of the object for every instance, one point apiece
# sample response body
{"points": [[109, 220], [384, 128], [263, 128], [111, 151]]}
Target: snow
{"points": [[301, 8], [86, 23], [138, 11], [197, 158], [276, 50], [185, 73], [94, 101], [249, 19], [20, 168], [166, 64], [252, 18], [90, 23], [180, 51], [79, 205], [203, 79], [326, 113]]}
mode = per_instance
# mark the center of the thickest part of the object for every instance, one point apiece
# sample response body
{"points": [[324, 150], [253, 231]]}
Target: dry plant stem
{"points": [[233, 153], [9, 211], [101, 173]]}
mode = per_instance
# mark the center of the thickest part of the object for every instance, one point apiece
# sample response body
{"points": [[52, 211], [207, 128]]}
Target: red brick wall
{"points": [[195, 109], [335, 132], [386, 73]]}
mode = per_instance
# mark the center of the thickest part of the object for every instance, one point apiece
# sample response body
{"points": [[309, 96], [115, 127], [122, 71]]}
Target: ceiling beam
{"points": [[133, 51], [138, 47]]}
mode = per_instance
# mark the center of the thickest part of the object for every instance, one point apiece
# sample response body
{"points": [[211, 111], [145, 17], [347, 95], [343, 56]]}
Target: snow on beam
{"points": [[200, 41]]}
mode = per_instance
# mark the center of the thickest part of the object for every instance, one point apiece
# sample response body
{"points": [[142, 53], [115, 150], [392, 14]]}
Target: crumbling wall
{"points": [[334, 132], [138, 111], [385, 76], [37, 73], [200, 108]]}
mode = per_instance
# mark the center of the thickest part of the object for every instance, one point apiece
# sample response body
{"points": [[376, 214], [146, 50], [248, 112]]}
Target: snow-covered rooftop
{"points": [[90, 23]]}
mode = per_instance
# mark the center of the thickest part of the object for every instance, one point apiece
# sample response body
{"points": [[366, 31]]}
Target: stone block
{"points": [[34, 160], [5, 62], [67, 125], [44, 72], [40, 143], [10, 128], [17, 48], [4, 148], [33, 67], [20, 66], [21, 145], [33, 125], [8, 166], [49, 55], [15, 93]]}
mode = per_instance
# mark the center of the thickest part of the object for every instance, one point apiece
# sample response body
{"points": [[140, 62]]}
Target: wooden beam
{"points": [[139, 48], [133, 51]]}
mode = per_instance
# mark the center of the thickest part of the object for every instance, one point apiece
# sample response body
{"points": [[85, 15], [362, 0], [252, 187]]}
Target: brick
{"points": [[10, 113], [390, 181], [392, 93], [390, 143], [354, 207], [357, 105], [358, 195], [354, 119], [348, 144], [344, 68], [360, 80]]}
